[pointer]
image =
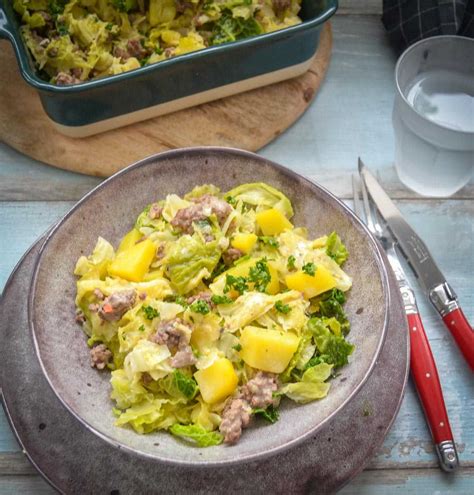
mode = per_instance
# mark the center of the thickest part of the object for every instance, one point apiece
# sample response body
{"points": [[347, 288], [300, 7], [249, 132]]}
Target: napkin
{"points": [[408, 21]]}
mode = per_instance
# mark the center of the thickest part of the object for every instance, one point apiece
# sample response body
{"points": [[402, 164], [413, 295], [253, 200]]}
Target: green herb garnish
{"points": [[282, 308], [200, 306], [290, 264], [216, 299], [237, 283], [231, 200], [269, 241], [150, 312], [309, 269], [260, 275]]}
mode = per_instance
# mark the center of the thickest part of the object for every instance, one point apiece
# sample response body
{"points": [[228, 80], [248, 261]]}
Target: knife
{"points": [[440, 293], [422, 363]]}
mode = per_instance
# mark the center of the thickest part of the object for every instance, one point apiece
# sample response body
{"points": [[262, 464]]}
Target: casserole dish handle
{"points": [[5, 32]]}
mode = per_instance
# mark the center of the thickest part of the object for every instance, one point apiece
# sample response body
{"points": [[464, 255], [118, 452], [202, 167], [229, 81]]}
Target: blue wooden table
{"points": [[350, 117]]}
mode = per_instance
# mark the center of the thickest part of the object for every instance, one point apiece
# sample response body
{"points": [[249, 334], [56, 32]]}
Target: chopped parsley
{"points": [[269, 241], [260, 275], [290, 264], [150, 312], [231, 200], [309, 269], [200, 306], [237, 347], [56, 7], [62, 30], [123, 5], [221, 299], [109, 26], [141, 328], [282, 308], [177, 299], [237, 283]]}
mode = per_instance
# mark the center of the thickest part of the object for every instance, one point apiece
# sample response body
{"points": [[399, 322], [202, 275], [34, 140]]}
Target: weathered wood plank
{"points": [[8, 442], [447, 228], [360, 7], [411, 482], [15, 464], [22, 178], [25, 485], [324, 144], [386, 482], [22, 223]]}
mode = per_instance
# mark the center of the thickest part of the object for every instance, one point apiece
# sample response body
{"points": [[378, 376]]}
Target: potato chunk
{"points": [[311, 285], [129, 240], [272, 222], [218, 381], [132, 263], [244, 242], [266, 349]]}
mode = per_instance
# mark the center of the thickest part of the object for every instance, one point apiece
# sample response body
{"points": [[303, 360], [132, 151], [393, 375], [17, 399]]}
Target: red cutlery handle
{"points": [[425, 376], [462, 332]]}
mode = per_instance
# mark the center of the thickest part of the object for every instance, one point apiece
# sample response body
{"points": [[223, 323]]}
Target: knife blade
{"points": [[430, 277]]}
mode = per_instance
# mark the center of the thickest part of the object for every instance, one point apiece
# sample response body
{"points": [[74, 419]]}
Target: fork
{"points": [[423, 368]]}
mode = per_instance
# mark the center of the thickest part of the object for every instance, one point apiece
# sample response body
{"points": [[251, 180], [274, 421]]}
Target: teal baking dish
{"points": [[96, 106]]}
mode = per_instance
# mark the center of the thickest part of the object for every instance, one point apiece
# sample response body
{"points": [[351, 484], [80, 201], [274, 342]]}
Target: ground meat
{"points": [[182, 5], [135, 49], [204, 207], [202, 296], [235, 417], [184, 218], [76, 72], [160, 252], [98, 293], [256, 393], [279, 6], [142, 296], [155, 211], [259, 390], [219, 207], [231, 255], [169, 51], [117, 304], [100, 356], [175, 333], [121, 53], [146, 378], [64, 79], [93, 308], [184, 357]]}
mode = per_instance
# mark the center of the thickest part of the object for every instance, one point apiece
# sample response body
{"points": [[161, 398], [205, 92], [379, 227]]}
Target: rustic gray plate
{"points": [[75, 461], [109, 210]]}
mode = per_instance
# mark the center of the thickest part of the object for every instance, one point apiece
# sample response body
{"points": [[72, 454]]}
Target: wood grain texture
{"points": [[248, 120], [360, 7], [442, 224], [351, 116]]}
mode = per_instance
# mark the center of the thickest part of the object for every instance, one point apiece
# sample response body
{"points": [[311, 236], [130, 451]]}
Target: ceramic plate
{"points": [[109, 211]]}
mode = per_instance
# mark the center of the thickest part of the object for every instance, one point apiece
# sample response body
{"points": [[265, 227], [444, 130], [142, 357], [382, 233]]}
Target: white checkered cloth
{"points": [[408, 21]]}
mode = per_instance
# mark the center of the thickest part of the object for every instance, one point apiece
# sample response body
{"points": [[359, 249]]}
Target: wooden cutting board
{"points": [[249, 120]]}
